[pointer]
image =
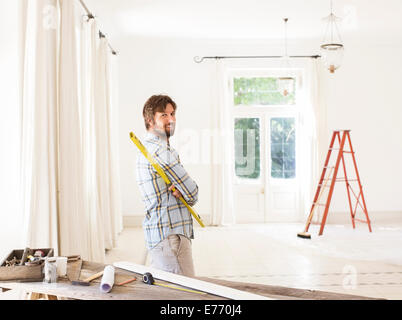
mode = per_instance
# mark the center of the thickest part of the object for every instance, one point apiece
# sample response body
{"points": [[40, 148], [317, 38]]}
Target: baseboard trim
{"points": [[376, 217], [132, 221]]}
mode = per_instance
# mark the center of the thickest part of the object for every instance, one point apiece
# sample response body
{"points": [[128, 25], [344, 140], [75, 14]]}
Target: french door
{"points": [[265, 138]]}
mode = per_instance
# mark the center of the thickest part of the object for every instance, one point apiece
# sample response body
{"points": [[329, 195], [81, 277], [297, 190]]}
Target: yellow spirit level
{"points": [[165, 178]]}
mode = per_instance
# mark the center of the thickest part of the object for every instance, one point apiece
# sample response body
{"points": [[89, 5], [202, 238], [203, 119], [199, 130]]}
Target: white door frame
{"points": [[262, 209]]}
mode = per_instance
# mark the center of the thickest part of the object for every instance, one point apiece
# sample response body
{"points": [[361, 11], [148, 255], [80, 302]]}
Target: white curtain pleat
{"points": [[315, 105], [88, 55], [39, 124], [107, 178], [310, 116], [73, 221], [114, 151], [222, 187]]}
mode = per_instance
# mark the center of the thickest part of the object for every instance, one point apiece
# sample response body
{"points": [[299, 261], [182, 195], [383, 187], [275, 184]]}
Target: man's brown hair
{"points": [[156, 103]]}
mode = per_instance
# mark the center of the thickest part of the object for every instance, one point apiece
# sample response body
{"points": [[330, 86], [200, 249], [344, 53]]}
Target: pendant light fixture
{"points": [[332, 49], [285, 84]]}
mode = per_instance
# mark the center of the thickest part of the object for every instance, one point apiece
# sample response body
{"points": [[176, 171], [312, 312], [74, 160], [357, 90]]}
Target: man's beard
{"points": [[166, 132], [169, 129]]}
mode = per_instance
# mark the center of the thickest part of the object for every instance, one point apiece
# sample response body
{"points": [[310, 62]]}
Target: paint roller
{"points": [[107, 281]]}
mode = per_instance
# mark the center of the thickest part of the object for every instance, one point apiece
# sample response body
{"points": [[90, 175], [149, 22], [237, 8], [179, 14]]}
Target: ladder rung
{"points": [[360, 220], [319, 204], [324, 185], [342, 151], [340, 179]]}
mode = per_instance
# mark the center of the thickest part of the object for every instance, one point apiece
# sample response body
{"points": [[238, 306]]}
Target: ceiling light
{"points": [[285, 84], [332, 49]]}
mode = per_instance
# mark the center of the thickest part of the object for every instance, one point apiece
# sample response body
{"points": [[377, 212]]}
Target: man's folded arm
{"points": [[178, 176]]}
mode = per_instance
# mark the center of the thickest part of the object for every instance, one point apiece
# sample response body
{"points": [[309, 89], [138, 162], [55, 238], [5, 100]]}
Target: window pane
{"points": [[247, 147], [262, 91], [283, 148]]}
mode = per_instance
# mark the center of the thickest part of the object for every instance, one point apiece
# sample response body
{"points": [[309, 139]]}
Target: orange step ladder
{"points": [[342, 136]]}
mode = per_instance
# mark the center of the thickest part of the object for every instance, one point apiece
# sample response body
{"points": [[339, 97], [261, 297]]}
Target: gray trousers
{"points": [[173, 254]]}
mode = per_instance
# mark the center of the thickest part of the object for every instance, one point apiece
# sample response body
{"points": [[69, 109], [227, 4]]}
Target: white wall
{"points": [[150, 67], [362, 96], [10, 218]]}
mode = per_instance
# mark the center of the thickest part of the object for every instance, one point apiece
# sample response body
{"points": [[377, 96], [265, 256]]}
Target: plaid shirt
{"points": [[165, 214]]}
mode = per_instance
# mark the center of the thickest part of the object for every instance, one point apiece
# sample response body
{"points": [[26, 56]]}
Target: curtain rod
{"points": [[201, 59], [91, 16]]}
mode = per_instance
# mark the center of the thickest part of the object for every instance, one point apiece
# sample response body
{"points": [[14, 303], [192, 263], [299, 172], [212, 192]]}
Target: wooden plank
{"points": [[287, 293], [137, 290], [21, 272], [192, 283], [34, 296], [74, 270]]}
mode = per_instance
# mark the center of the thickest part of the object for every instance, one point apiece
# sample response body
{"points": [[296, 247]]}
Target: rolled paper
{"points": [[107, 279]]}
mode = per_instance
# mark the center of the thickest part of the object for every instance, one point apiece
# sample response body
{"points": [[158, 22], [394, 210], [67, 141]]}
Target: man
{"points": [[168, 225]]}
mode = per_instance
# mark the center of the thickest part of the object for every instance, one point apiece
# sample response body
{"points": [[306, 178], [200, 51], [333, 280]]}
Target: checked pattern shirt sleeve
{"points": [[169, 160], [165, 214]]}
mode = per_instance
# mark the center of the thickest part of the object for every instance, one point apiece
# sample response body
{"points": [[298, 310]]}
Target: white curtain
{"points": [[106, 148], [310, 121], [89, 58], [222, 160], [73, 221], [10, 128], [70, 164], [113, 119], [39, 124]]}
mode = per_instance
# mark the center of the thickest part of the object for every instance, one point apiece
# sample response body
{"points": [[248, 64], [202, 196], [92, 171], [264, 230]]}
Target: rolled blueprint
{"points": [[107, 279]]}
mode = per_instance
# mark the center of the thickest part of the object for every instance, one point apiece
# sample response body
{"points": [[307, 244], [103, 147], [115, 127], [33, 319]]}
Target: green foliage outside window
{"points": [[283, 148], [260, 91], [247, 147]]}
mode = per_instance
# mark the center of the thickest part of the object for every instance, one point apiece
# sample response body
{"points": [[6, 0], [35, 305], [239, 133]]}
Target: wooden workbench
{"points": [[138, 290]]}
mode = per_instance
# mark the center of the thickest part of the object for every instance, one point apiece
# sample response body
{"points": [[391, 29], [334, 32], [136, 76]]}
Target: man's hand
{"points": [[176, 193]]}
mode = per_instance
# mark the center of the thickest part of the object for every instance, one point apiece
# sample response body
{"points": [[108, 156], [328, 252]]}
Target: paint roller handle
{"points": [[94, 276]]}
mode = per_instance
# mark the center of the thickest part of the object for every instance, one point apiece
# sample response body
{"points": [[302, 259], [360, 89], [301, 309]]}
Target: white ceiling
{"points": [[248, 19]]}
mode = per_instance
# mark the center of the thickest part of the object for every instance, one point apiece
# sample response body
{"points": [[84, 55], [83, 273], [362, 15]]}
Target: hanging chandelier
{"points": [[285, 84], [332, 49]]}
